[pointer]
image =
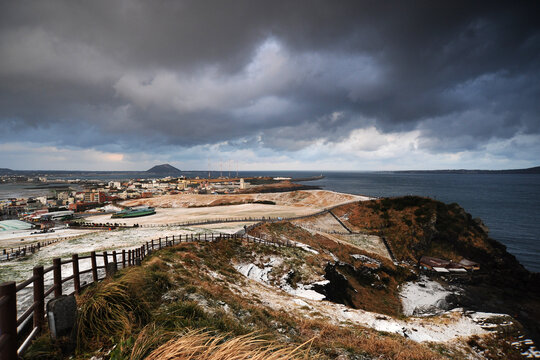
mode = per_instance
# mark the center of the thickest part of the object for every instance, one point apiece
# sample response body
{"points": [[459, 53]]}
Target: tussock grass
{"points": [[200, 345], [109, 312], [150, 337], [112, 310], [188, 314]]}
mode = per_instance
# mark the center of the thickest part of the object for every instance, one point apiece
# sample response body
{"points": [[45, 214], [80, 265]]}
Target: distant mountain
{"points": [[164, 169], [533, 170], [4, 171]]}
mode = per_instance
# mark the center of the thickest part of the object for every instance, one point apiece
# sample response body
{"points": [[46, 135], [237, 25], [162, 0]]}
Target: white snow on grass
{"points": [[304, 247], [449, 326], [423, 297], [260, 275], [302, 290]]}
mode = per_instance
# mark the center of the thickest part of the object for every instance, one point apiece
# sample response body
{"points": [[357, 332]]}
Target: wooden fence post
{"points": [[76, 275], [57, 276], [94, 266], [39, 297], [8, 321], [123, 258], [159, 243], [115, 260], [106, 262], [152, 242]]}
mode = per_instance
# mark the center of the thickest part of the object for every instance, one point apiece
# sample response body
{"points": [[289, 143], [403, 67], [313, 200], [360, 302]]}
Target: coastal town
{"points": [[84, 195]]}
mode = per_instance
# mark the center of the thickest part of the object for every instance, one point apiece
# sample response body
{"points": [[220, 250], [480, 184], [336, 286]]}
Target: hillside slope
{"points": [[230, 289], [327, 295]]}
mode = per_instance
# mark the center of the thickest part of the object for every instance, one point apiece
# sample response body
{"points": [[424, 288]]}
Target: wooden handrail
{"points": [[24, 284]]}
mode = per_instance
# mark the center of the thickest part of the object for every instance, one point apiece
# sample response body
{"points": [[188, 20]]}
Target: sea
{"points": [[509, 204]]}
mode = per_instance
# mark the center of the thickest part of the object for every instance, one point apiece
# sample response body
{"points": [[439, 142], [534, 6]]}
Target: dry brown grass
{"points": [[112, 310], [416, 226], [334, 340], [200, 345], [150, 337]]}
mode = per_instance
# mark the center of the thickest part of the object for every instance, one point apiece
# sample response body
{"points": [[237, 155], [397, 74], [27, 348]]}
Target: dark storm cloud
{"points": [[106, 73]]}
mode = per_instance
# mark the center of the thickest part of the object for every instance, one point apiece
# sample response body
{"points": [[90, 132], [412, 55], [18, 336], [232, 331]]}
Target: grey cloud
{"points": [[135, 74]]}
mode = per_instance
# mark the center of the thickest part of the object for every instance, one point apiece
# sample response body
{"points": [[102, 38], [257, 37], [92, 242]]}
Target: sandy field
{"points": [[165, 216], [314, 199], [181, 208]]}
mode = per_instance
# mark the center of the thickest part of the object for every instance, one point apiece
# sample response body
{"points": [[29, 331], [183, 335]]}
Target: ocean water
{"points": [[509, 204]]}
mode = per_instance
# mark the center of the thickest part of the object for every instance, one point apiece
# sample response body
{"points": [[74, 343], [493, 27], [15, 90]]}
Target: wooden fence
{"points": [[18, 331], [12, 253]]}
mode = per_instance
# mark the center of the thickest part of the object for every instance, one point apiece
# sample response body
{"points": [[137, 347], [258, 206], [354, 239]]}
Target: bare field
{"points": [[180, 214], [180, 208], [314, 199], [324, 222]]}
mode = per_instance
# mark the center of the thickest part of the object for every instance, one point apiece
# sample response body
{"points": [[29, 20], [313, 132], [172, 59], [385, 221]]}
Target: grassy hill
{"points": [[416, 226], [253, 301]]}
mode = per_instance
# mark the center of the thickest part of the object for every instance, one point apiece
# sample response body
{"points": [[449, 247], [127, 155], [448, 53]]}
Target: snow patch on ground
{"points": [[302, 290], [256, 273], [305, 247], [366, 260], [423, 297], [450, 326], [260, 275]]}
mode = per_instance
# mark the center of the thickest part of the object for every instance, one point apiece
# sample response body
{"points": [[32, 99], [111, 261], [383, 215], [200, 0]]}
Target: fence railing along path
{"points": [[18, 331], [12, 253]]}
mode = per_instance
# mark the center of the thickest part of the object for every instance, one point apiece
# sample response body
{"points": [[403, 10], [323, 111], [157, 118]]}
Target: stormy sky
{"points": [[322, 85]]}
